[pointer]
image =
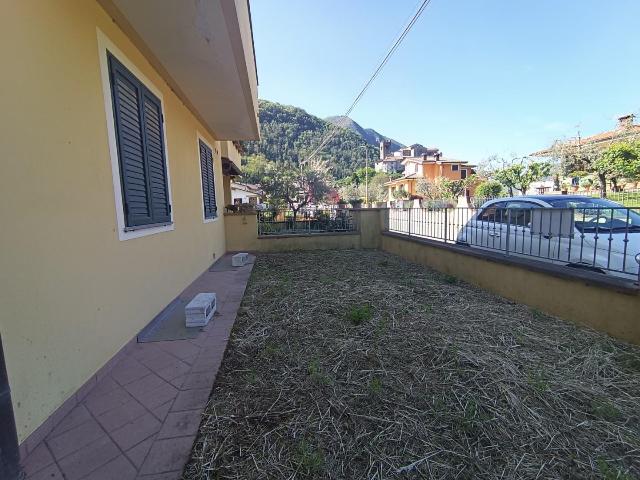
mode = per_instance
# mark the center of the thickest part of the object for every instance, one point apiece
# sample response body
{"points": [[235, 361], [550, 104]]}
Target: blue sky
{"points": [[474, 77]]}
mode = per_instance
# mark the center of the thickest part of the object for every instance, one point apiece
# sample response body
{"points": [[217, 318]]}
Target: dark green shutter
{"points": [[208, 182], [141, 155], [156, 163]]}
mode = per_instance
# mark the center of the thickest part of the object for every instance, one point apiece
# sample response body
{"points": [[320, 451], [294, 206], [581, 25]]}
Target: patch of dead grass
{"points": [[429, 378]]}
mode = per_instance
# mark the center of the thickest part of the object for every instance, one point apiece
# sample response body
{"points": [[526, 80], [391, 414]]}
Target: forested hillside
{"points": [[290, 134], [369, 134]]}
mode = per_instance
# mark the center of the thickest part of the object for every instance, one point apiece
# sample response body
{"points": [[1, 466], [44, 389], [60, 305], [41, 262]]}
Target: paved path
{"points": [[140, 420]]}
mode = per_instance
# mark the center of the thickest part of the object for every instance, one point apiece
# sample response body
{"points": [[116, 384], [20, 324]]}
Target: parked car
{"points": [[578, 231]]}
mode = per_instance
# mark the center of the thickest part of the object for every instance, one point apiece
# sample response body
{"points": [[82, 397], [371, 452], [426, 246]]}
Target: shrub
{"points": [[490, 189]]}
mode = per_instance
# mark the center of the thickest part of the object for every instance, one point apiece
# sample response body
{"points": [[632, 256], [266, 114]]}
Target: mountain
{"points": [[371, 136], [289, 133]]}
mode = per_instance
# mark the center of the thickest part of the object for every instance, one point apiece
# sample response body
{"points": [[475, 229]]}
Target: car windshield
{"points": [[600, 214]]}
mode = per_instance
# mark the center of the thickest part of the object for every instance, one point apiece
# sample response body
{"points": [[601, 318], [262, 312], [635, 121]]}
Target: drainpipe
{"points": [[9, 453]]}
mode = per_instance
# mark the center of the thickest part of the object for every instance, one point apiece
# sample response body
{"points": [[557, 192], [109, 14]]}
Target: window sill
{"points": [[129, 233]]}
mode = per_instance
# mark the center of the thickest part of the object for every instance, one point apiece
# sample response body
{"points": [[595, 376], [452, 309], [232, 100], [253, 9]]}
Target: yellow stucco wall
{"points": [[602, 308], [71, 293], [242, 235]]}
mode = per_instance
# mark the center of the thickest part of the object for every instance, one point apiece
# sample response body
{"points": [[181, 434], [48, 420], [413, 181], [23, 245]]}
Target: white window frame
{"points": [[214, 151], [457, 167], [105, 45]]}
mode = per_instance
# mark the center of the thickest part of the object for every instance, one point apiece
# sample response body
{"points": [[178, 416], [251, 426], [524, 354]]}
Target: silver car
{"points": [[578, 231]]}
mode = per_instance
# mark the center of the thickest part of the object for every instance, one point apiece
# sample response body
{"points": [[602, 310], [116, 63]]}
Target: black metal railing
{"points": [[602, 240], [304, 222]]}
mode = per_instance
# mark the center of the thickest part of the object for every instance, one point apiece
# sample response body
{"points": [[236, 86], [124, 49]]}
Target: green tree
{"points": [[377, 189], [295, 186], [400, 194], [490, 189], [360, 175], [427, 189], [451, 189], [607, 164], [521, 175], [254, 168], [619, 160]]}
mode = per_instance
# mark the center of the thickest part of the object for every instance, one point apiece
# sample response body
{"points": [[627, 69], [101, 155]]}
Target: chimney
{"points": [[625, 121], [384, 148]]}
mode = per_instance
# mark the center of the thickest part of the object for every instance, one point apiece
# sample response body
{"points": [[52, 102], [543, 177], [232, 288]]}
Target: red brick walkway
{"points": [[141, 419]]}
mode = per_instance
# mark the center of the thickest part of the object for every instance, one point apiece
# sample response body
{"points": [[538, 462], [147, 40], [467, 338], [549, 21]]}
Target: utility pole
{"points": [[366, 173], [366, 176]]}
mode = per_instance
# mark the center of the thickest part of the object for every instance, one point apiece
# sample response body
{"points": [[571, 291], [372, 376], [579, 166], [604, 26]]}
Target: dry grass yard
{"points": [[361, 365]]}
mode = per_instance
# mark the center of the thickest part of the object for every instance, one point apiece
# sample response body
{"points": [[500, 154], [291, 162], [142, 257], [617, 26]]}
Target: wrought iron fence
{"points": [[304, 222], [602, 240], [629, 198]]}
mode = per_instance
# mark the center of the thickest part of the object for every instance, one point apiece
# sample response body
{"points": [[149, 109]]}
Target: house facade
{"points": [[246, 193], [418, 162], [118, 119], [626, 130]]}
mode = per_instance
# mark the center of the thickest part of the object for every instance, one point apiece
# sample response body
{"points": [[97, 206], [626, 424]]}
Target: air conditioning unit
{"points": [[199, 311], [239, 259]]}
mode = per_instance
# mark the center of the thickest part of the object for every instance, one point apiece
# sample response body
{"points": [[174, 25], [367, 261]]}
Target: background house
{"points": [[419, 162], [243, 193], [117, 115]]}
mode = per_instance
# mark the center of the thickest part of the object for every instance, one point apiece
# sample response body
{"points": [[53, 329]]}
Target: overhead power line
{"points": [[373, 76]]}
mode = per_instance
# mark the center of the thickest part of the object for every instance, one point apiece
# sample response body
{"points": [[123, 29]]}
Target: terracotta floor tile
{"points": [[120, 468], [157, 359], [52, 472], [176, 475], [74, 418], [175, 370], [121, 415], [89, 458], [136, 431], [143, 350], [128, 371], [146, 384], [105, 385], [37, 460], [181, 424], [98, 404], [159, 396], [193, 399], [138, 453], [161, 412], [206, 364], [167, 455], [180, 348], [199, 380], [75, 439]]}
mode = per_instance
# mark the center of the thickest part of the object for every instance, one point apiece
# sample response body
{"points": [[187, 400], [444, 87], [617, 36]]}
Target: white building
{"points": [[243, 193]]}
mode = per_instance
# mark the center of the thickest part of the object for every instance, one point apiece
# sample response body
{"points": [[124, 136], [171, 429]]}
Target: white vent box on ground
{"points": [[239, 259], [200, 310]]}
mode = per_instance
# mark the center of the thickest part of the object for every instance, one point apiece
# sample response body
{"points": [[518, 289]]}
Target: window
{"points": [[253, 200], [455, 168], [493, 213], [516, 213], [520, 212], [463, 173], [141, 154], [208, 182]]}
